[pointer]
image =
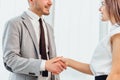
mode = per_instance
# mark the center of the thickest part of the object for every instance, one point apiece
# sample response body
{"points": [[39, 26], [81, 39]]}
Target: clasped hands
{"points": [[56, 65]]}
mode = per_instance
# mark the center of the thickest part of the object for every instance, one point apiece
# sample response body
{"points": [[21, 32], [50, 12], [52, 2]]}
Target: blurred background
{"points": [[77, 28]]}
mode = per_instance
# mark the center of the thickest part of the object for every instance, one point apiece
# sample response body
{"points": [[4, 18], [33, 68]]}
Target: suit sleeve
{"points": [[12, 57]]}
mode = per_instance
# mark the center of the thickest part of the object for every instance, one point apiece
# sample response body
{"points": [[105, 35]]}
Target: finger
{"points": [[59, 58], [56, 59], [64, 59], [59, 67], [62, 64]]}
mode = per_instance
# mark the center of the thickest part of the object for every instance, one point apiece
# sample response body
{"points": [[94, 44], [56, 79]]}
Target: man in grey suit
{"points": [[21, 45]]}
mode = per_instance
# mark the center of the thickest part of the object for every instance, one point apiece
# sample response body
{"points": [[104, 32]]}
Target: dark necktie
{"points": [[42, 46]]}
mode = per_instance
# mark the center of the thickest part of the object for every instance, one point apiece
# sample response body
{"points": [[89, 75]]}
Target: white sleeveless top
{"points": [[102, 57]]}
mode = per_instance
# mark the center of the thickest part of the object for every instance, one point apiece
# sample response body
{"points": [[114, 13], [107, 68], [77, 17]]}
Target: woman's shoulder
{"points": [[115, 29]]}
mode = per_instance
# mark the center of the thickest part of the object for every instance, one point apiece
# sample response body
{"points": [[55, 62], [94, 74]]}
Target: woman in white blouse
{"points": [[105, 63]]}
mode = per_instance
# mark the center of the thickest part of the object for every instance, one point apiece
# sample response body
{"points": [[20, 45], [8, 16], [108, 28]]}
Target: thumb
{"points": [[56, 59]]}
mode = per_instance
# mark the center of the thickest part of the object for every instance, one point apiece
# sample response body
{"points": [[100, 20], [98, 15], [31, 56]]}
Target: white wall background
{"points": [[76, 25], [76, 32]]}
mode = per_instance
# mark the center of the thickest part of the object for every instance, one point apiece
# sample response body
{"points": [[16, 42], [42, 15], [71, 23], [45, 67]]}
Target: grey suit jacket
{"points": [[21, 51]]}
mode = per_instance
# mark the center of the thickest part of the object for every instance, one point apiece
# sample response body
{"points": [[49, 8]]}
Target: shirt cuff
{"points": [[42, 67]]}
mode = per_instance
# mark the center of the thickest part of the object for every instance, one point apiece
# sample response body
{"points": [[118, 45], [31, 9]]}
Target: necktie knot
{"points": [[40, 20]]}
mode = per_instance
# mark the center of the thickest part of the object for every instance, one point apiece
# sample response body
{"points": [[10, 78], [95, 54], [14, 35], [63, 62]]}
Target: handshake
{"points": [[56, 65]]}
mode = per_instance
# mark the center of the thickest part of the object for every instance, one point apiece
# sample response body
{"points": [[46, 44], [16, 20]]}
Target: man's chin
{"points": [[46, 14]]}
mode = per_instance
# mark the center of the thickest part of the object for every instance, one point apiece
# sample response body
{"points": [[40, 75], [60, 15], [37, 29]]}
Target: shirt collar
{"points": [[32, 15]]}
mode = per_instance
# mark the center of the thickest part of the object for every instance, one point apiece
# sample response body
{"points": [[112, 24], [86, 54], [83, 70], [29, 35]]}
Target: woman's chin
{"points": [[104, 20]]}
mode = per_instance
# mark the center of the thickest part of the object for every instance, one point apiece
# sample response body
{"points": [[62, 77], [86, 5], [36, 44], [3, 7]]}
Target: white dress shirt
{"points": [[34, 18], [101, 62]]}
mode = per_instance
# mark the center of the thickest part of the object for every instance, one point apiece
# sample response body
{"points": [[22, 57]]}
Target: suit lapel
{"points": [[31, 31], [51, 45]]}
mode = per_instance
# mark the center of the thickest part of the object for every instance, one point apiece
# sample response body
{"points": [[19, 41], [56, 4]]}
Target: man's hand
{"points": [[55, 65]]}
